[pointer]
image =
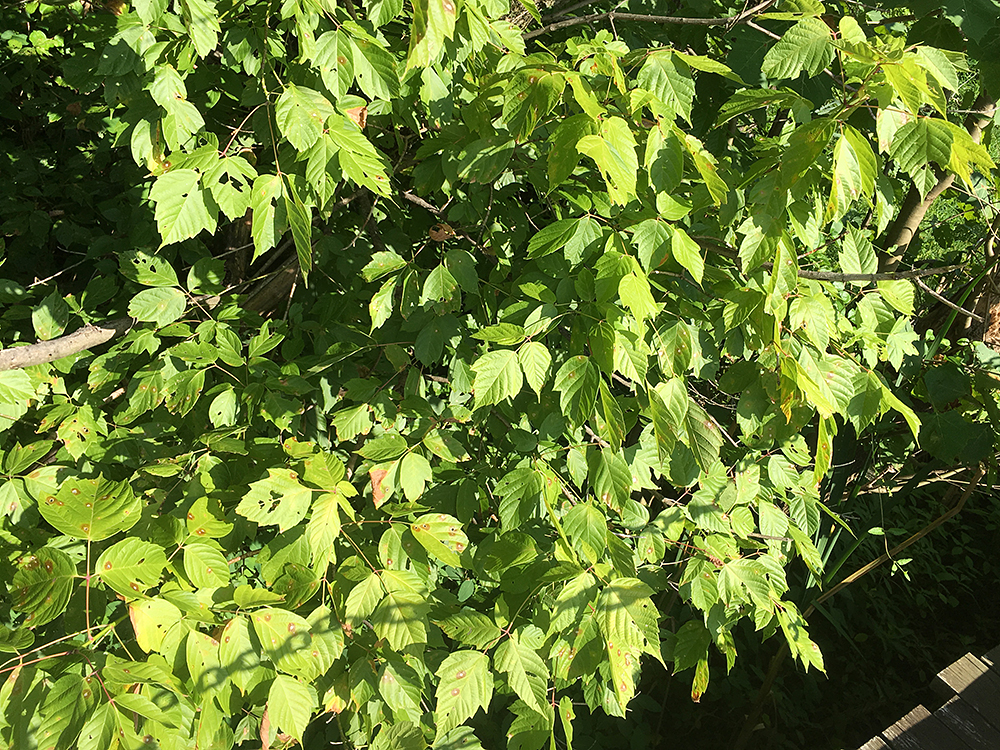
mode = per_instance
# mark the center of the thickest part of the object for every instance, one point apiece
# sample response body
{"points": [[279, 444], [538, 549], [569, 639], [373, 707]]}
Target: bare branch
{"points": [[722, 248], [48, 351], [417, 200], [615, 15], [948, 303], [887, 276], [19, 357]]}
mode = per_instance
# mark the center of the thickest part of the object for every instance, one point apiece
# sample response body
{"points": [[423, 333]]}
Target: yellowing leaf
{"points": [[442, 536], [465, 686], [279, 500]]}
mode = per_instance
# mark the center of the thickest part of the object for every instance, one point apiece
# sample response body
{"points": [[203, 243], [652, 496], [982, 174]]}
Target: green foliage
{"points": [[242, 513]]}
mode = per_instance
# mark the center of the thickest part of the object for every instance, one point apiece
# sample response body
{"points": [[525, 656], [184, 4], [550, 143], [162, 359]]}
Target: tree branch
{"points": [[720, 247], [82, 339], [948, 303], [48, 351], [887, 276], [417, 200], [619, 16], [915, 207]]}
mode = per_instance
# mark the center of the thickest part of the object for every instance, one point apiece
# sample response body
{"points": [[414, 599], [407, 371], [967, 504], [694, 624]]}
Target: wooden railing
{"points": [[969, 719]]}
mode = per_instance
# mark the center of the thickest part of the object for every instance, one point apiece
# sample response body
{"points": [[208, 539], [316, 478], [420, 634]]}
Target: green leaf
{"points": [[50, 316], [229, 182], [91, 509], [351, 422], [223, 409], [362, 599], [667, 76], [385, 447], [737, 575], [794, 627], [614, 152], [857, 254], [610, 477], [445, 446], [290, 703], [381, 264], [530, 96], [301, 114], [131, 566], [265, 226], [182, 210], [237, 654], [847, 183], [614, 420], [563, 156], [525, 670], [442, 536], [469, 627], [324, 528], [202, 22], [205, 566], [300, 221], [687, 252], [42, 584], [466, 685], [374, 66], [535, 362], [498, 377], [626, 614], [634, 292], [705, 163], [147, 269], [279, 500], [286, 641], [484, 160], [552, 237], [380, 307], [703, 436], [439, 287], [64, 712], [207, 675], [899, 293], [161, 305], [588, 529], [433, 22], [920, 142], [401, 618], [505, 334], [805, 46], [414, 474], [577, 383], [99, 731]]}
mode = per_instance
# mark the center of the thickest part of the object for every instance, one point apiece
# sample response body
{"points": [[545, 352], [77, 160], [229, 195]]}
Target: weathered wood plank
{"points": [[920, 730], [977, 685], [875, 743], [967, 723], [992, 658]]}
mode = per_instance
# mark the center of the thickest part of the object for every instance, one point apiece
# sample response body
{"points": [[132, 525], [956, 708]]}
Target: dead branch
{"points": [[80, 340]]}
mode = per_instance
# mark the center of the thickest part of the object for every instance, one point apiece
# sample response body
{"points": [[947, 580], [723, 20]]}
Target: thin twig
{"points": [[948, 303], [36, 282], [615, 15], [886, 556], [885, 276], [416, 199]]}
